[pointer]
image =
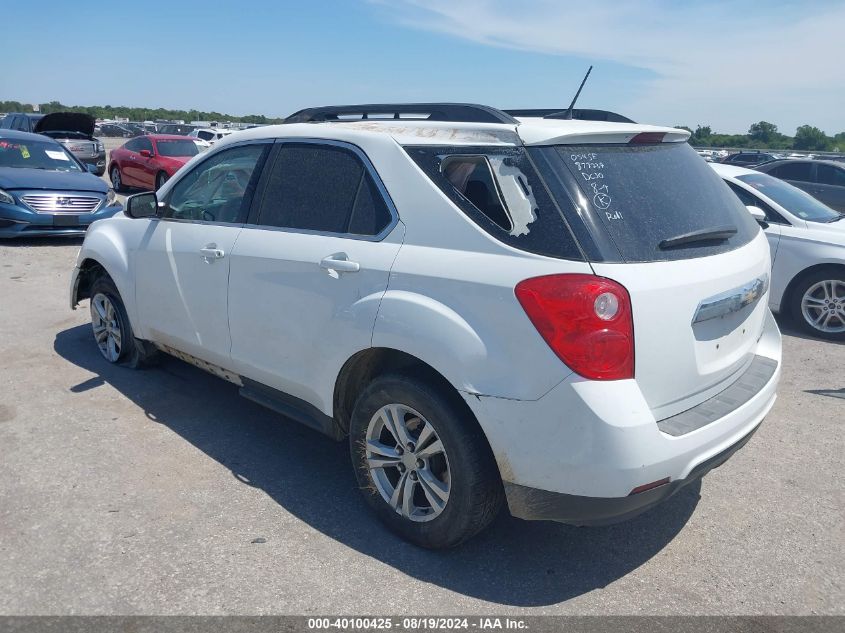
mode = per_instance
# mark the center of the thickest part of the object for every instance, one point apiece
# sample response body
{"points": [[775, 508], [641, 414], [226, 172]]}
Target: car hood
{"points": [[21, 178], [833, 233], [66, 122]]}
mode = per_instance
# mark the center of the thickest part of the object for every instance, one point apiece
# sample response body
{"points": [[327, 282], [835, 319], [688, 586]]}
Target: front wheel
{"points": [[818, 304], [112, 330], [422, 463]]}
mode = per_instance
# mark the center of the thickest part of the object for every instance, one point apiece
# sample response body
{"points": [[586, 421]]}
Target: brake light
{"points": [[648, 137], [585, 319]]}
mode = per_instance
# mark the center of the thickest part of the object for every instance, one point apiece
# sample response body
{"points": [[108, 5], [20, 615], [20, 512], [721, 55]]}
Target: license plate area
{"points": [[65, 220]]}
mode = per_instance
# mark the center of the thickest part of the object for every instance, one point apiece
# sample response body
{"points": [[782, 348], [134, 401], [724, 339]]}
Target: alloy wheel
{"points": [[408, 463], [104, 321], [823, 306], [115, 179]]}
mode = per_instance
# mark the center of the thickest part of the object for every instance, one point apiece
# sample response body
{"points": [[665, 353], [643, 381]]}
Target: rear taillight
{"points": [[585, 319]]}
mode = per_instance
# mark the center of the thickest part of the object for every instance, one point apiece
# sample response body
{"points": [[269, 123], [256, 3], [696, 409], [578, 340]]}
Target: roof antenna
{"points": [[568, 113]]}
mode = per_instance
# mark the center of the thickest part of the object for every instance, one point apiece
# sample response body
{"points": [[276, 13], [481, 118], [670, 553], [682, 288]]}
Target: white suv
{"points": [[566, 315]]}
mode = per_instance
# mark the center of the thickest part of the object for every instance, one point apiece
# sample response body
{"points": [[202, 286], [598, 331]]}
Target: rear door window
{"points": [[324, 188], [830, 175], [802, 172], [641, 197]]}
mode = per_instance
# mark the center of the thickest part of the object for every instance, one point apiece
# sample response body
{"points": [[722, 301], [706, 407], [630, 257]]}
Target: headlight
{"points": [[111, 198], [6, 198], [100, 146]]}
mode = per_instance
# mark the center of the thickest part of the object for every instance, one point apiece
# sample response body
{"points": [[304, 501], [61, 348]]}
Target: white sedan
{"points": [[807, 240]]}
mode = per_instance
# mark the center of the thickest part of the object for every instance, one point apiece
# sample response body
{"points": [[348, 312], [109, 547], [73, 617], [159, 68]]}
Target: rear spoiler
{"points": [[582, 114]]}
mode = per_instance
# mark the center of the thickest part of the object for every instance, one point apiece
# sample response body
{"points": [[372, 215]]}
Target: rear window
{"points": [[636, 200]]}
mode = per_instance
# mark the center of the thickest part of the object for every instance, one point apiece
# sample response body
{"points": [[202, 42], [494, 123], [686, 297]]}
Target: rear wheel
{"points": [[116, 182], [112, 330], [422, 463], [818, 304], [161, 178]]}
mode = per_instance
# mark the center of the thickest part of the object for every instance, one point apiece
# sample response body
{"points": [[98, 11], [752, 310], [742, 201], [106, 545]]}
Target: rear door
{"points": [[830, 186], [182, 265], [310, 268], [698, 303]]}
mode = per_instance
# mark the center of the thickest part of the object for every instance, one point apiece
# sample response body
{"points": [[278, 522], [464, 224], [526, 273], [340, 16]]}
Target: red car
{"points": [[148, 161]]}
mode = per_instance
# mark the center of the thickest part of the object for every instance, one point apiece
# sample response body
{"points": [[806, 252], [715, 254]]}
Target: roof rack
{"points": [[456, 112], [581, 114]]}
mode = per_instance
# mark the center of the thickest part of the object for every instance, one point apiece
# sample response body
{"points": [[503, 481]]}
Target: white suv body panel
{"points": [[600, 439]]}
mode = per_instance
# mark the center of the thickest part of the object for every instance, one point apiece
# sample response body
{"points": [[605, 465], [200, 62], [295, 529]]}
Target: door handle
{"points": [[340, 263], [211, 252]]}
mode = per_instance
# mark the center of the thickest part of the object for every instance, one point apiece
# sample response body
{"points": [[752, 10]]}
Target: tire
{"points": [[817, 303], [161, 178], [111, 328], [116, 180], [454, 493]]}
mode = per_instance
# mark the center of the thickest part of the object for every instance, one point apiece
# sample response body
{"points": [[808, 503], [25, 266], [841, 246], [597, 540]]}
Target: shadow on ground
{"points": [[788, 328], [514, 562]]}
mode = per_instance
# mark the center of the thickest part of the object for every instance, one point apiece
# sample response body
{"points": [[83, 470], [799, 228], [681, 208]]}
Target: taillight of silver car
{"points": [[585, 319]]}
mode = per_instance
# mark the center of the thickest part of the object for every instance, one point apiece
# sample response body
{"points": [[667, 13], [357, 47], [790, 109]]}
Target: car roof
{"points": [[167, 137], [527, 131], [26, 136]]}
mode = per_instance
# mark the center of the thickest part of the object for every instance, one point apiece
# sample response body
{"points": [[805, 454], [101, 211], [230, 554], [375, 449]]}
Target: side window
{"points": [[472, 177], [205, 136], [132, 145], [830, 175], [143, 143], [750, 200], [219, 189], [794, 171], [323, 188], [746, 198], [6, 122]]}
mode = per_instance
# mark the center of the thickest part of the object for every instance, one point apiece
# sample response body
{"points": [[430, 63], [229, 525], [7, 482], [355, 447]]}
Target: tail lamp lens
{"points": [[586, 320]]}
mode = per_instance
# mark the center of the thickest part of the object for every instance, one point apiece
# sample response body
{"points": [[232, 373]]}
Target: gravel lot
{"points": [[164, 492]]}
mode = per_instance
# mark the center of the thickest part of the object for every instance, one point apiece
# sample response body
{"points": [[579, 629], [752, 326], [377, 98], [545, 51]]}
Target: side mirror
{"points": [[146, 153], [758, 214], [141, 205], [92, 169]]}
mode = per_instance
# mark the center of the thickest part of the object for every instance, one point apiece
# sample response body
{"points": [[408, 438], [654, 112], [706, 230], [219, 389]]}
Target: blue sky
{"points": [[727, 64]]}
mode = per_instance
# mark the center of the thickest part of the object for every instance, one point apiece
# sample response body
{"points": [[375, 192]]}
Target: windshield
{"points": [[797, 202], [644, 197], [177, 148], [36, 155]]}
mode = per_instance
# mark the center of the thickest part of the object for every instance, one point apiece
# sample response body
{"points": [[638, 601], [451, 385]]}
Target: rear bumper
{"points": [[576, 454], [541, 505]]}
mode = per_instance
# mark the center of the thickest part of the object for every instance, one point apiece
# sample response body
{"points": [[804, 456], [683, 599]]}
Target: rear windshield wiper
{"points": [[716, 234]]}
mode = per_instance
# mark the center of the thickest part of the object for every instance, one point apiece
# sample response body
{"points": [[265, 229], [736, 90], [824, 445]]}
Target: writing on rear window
{"points": [[589, 167]]}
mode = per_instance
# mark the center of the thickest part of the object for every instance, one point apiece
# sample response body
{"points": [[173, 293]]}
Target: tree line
{"points": [[762, 135], [136, 114], [765, 135]]}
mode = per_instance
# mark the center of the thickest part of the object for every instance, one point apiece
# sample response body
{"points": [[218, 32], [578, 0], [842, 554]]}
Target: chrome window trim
{"points": [[365, 160]]}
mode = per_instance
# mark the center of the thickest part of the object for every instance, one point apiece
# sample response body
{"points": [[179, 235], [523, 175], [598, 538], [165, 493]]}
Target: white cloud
{"points": [[724, 63]]}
